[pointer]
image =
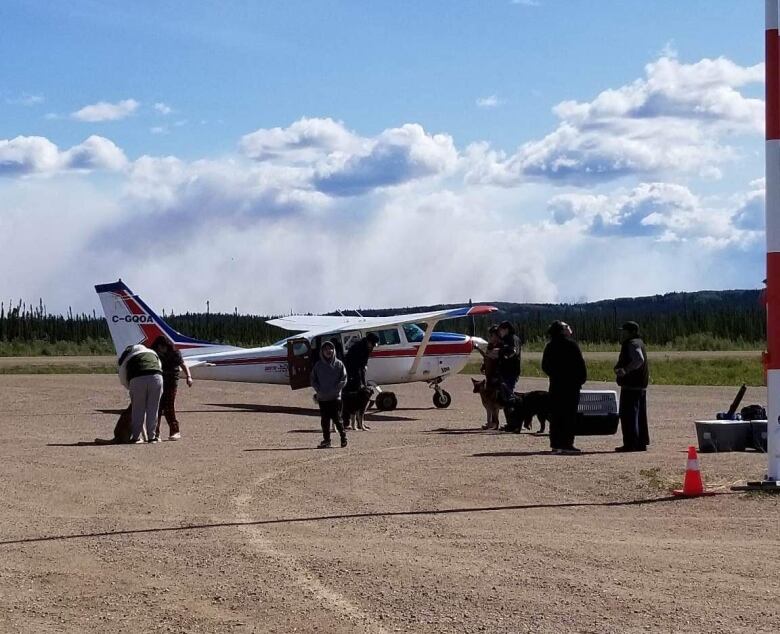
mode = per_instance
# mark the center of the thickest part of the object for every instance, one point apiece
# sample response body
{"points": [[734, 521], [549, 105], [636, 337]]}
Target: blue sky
{"points": [[529, 151]]}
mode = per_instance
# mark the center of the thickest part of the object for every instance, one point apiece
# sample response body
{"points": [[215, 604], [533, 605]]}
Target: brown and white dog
{"points": [[353, 408], [490, 401]]}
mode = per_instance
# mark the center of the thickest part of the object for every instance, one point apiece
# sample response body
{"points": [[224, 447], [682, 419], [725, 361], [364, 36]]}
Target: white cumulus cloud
{"points": [[679, 117], [105, 111], [25, 155], [163, 108], [492, 101]]}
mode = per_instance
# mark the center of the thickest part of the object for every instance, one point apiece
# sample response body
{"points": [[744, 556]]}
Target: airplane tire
{"points": [[442, 399], [386, 401]]}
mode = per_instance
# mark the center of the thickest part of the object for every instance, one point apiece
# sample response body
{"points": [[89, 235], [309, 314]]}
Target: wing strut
{"points": [[423, 345]]}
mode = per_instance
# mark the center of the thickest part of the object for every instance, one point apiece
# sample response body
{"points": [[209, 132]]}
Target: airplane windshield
{"points": [[414, 334]]}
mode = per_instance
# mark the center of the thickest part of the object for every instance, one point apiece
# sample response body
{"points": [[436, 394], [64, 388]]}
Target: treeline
{"points": [[693, 321], [707, 319]]}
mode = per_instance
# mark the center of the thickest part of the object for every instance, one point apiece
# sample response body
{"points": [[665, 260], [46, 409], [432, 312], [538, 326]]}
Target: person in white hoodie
{"points": [[140, 372]]}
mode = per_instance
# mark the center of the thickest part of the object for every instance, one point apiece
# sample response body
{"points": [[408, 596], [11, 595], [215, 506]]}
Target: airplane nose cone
{"points": [[478, 342]]}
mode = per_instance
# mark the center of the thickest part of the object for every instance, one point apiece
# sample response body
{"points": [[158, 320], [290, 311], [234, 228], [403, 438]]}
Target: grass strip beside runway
{"points": [[669, 371]]}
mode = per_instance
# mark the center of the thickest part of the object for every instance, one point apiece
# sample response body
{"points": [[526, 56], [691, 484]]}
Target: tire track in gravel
{"points": [[298, 573]]}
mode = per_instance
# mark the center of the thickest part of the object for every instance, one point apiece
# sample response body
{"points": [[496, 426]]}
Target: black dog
{"points": [[521, 409], [353, 407]]}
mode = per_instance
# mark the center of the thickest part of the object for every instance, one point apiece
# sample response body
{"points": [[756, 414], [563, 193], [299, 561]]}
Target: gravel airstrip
{"points": [[423, 524]]}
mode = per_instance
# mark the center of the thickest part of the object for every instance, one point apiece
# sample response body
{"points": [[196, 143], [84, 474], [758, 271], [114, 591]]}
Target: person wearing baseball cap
{"points": [[632, 374]]}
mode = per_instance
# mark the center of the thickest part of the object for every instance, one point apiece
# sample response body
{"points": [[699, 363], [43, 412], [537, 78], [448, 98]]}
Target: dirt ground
{"points": [[424, 524]]}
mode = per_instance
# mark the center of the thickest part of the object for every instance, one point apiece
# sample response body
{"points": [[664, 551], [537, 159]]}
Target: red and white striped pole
{"points": [[772, 47]]}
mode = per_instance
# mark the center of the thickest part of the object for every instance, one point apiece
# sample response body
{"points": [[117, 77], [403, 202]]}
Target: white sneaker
{"points": [[176, 436]]}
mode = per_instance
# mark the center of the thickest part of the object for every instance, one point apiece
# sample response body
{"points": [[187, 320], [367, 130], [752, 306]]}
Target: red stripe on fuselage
{"points": [[433, 350]]}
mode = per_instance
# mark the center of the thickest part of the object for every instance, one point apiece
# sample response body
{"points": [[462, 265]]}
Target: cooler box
{"points": [[724, 435], [758, 433], [598, 413]]}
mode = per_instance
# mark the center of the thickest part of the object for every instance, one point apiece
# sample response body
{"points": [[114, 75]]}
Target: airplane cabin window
{"points": [[388, 337], [300, 348], [414, 334]]}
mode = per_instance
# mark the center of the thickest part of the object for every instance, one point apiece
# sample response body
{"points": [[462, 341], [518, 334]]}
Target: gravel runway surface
{"points": [[423, 524]]}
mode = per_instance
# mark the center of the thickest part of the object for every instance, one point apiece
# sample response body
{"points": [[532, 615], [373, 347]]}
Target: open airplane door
{"points": [[299, 362]]}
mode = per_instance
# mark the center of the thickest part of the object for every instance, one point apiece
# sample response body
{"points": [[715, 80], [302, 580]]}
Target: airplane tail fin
{"points": [[131, 321]]}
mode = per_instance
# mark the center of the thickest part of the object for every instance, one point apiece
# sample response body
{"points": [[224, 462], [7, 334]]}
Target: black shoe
{"points": [[571, 451], [628, 449], [344, 440], [325, 444]]}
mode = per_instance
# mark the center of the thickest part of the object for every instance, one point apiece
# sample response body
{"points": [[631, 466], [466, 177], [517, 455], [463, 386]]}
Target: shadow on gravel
{"points": [[117, 412], [348, 516], [302, 411], [456, 431], [283, 449], [548, 452], [450, 431], [84, 443]]}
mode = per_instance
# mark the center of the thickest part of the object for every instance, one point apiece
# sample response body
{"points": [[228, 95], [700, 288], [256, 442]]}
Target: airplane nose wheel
{"points": [[386, 401], [442, 399]]}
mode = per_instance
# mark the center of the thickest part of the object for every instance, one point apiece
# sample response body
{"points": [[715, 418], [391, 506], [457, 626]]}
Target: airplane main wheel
{"points": [[442, 399], [386, 401]]}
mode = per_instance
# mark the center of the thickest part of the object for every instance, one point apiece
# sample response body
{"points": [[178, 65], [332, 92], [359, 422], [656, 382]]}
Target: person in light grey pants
{"points": [[145, 393], [141, 373]]}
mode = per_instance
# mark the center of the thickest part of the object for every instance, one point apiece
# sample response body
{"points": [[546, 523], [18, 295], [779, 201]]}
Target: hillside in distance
{"points": [[735, 315]]}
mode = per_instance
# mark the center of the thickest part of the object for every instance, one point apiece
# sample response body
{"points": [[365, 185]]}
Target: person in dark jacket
{"points": [[356, 361], [508, 359], [141, 373], [172, 363], [562, 361], [328, 378], [632, 374]]}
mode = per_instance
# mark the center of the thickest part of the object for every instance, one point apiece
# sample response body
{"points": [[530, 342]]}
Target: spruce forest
{"points": [[704, 320]]}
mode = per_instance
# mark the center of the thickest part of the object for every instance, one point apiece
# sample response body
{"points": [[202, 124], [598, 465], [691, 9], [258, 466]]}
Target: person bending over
{"points": [[141, 373]]}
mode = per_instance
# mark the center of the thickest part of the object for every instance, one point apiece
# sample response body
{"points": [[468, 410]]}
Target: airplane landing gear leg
{"points": [[441, 398]]}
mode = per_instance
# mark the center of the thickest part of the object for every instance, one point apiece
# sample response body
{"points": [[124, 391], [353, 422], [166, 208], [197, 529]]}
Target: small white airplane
{"points": [[405, 353]]}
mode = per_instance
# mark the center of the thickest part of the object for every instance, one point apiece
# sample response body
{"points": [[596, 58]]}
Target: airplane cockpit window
{"points": [[414, 334], [388, 337]]}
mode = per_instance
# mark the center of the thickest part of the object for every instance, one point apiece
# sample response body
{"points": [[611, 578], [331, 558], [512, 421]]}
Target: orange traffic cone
{"points": [[692, 485]]}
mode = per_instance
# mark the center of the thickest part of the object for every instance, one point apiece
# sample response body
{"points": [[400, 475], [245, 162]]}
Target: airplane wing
{"points": [[313, 325], [313, 322]]}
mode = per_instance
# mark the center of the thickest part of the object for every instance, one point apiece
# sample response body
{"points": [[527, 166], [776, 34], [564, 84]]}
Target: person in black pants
{"points": [[562, 361], [632, 374], [356, 361], [508, 359], [328, 378]]}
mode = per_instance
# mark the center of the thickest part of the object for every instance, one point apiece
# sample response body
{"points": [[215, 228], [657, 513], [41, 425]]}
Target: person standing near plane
{"points": [[562, 361], [356, 361], [632, 375], [328, 378], [508, 359], [172, 363], [141, 373]]}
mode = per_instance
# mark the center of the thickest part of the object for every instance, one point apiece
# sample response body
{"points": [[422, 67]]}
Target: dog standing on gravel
{"points": [[353, 408], [521, 409], [490, 401]]}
